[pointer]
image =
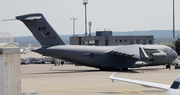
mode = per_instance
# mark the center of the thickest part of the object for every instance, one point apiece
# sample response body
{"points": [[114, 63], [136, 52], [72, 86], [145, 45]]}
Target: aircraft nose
{"points": [[175, 55]]}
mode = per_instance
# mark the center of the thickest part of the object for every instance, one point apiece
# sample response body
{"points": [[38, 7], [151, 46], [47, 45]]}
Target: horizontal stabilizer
{"points": [[33, 18]]}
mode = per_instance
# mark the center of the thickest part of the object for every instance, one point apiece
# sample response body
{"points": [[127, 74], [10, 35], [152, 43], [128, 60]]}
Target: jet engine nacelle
{"points": [[158, 57]]}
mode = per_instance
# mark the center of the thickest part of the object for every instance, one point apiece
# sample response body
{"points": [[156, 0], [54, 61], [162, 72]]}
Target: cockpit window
{"points": [[175, 85]]}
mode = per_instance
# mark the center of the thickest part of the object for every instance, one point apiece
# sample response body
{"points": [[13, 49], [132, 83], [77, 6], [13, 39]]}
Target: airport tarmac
{"points": [[48, 79]]}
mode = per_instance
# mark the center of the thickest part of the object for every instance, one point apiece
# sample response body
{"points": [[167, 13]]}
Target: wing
{"points": [[126, 51], [139, 53], [143, 83]]}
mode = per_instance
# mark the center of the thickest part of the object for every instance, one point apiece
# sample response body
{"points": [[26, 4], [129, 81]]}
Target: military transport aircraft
{"points": [[102, 57], [174, 89]]}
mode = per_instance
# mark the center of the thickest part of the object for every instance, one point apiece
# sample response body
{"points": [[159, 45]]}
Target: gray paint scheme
{"points": [[103, 57]]}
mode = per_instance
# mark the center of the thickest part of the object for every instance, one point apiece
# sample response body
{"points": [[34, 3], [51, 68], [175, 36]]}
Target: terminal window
{"points": [[125, 41], [97, 41], [106, 43], [150, 41], [138, 41], [131, 41], [116, 41], [91, 42], [144, 41]]}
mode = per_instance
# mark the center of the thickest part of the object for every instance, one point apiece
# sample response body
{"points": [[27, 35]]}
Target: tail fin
{"points": [[41, 29]]}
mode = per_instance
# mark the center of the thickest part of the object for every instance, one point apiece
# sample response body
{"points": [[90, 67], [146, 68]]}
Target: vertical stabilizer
{"points": [[41, 29]]}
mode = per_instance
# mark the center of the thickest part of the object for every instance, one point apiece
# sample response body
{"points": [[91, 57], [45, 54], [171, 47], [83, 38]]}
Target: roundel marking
{"points": [[91, 55]]}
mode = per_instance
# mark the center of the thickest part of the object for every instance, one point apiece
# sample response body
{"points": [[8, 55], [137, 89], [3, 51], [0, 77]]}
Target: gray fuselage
{"points": [[98, 56]]}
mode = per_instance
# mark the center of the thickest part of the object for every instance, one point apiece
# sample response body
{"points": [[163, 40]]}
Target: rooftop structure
{"points": [[106, 38], [6, 37]]}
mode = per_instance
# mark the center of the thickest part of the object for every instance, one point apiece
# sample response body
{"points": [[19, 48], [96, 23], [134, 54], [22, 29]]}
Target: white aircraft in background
{"points": [[24, 50], [174, 89]]}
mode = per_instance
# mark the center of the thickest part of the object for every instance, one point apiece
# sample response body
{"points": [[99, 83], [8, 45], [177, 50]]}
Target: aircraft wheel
{"points": [[176, 66], [101, 69], [104, 69], [62, 62], [168, 66]]}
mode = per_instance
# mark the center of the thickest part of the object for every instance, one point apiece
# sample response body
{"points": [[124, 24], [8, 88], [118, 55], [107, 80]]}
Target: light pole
{"points": [[73, 19], [174, 46], [85, 2], [90, 24]]}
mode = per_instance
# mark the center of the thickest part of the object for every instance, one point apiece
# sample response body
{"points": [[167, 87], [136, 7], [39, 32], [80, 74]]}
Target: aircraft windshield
{"points": [[175, 85]]}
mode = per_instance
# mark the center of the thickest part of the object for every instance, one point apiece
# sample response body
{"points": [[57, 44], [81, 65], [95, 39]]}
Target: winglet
{"points": [[111, 76]]}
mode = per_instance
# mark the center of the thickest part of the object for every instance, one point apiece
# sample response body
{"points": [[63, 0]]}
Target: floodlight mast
{"points": [[73, 19], [90, 24], [174, 46], [85, 2]]}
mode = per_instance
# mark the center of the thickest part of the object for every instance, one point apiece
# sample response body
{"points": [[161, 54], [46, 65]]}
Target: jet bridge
{"points": [[10, 70]]}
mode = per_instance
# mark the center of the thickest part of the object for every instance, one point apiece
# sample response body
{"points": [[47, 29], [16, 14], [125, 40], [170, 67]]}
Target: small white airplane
{"points": [[173, 89], [24, 50]]}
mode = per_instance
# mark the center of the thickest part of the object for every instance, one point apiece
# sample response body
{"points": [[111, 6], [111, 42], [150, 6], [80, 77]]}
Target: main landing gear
{"points": [[168, 66], [113, 69]]}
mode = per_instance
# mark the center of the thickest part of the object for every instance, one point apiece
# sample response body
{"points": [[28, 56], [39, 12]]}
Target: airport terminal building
{"points": [[106, 38]]}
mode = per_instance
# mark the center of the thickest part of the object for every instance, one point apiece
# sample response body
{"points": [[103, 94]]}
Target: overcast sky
{"points": [[117, 15]]}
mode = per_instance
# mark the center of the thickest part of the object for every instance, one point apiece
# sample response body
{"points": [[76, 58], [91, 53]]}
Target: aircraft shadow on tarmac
{"points": [[63, 71], [77, 71], [85, 71]]}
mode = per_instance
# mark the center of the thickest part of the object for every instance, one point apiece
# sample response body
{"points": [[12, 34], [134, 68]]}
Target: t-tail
{"points": [[41, 29]]}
